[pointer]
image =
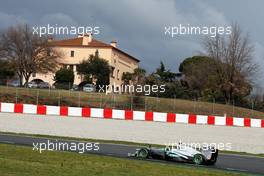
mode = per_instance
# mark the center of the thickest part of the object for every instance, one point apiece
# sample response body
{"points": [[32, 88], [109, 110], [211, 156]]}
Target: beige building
{"points": [[78, 49]]}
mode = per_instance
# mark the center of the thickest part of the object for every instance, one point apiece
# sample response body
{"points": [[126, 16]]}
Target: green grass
{"points": [[22, 161], [73, 98]]}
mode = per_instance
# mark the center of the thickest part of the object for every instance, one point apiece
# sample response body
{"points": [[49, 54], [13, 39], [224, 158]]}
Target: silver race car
{"points": [[199, 156]]}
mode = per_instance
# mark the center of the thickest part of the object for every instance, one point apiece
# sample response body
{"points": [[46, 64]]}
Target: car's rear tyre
{"points": [[213, 159], [198, 159], [211, 162], [143, 153]]}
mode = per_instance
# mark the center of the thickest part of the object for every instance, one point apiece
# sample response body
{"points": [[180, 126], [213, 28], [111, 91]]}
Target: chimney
{"points": [[50, 39], [87, 38], [113, 43]]}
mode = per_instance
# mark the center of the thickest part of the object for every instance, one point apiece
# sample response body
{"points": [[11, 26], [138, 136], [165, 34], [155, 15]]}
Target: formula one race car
{"points": [[199, 156]]}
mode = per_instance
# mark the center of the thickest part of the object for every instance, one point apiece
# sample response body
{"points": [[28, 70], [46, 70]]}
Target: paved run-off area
{"points": [[241, 139]]}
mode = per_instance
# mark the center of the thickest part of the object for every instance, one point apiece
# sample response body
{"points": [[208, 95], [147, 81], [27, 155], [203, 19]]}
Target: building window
{"points": [[72, 53], [33, 75], [71, 67], [117, 75], [112, 72]]}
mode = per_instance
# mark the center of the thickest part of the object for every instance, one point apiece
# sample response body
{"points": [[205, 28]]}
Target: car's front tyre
{"points": [[198, 159]]}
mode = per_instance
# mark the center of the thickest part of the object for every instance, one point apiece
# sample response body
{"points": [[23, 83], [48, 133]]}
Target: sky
{"points": [[138, 26]]}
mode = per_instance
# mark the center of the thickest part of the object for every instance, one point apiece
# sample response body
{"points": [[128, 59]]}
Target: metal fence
{"points": [[117, 101]]}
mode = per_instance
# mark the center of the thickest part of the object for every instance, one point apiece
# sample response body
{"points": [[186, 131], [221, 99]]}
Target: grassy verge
{"points": [[22, 161], [73, 98], [116, 142]]}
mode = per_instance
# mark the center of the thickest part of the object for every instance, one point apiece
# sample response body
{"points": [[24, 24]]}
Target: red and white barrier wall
{"points": [[65, 111]]}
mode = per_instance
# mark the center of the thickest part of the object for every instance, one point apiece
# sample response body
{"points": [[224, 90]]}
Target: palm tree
{"points": [[139, 76]]}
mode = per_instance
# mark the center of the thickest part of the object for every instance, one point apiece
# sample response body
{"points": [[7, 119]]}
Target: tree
{"points": [[139, 76], [127, 77], [6, 71], [64, 78], [186, 63], [96, 68], [162, 76], [199, 75], [165, 75], [176, 89], [161, 69], [234, 64], [27, 52]]}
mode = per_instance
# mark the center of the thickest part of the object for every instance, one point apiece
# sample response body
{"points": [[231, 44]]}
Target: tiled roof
{"points": [[77, 42]]}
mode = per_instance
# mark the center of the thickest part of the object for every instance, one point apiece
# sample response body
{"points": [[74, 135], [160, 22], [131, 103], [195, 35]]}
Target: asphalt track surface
{"points": [[231, 162]]}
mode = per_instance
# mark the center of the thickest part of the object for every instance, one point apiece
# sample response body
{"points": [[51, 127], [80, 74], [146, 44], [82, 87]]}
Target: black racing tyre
{"points": [[198, 159], [213, 159], [167, 158], [143, 153], [211, 162]]}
